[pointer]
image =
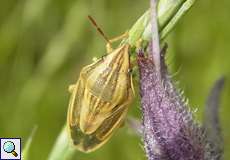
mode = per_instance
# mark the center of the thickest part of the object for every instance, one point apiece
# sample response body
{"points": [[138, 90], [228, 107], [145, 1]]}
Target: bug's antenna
{"points": [[98, 28]]}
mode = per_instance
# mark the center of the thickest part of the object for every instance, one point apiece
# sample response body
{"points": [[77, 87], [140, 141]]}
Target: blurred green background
{"points": [[44, 44]]}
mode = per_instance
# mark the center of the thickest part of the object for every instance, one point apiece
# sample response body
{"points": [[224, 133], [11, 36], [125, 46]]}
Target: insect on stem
{"points": [[92, 20], [99, 104]]}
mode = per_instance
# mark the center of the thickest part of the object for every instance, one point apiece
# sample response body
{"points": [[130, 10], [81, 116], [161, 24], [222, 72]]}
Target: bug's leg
{"points": [[71, 88], [109, 48], [122, 124], [124, 35], [109, 44], [95, 59], [139, 43], [132, 86], [130, 72]]}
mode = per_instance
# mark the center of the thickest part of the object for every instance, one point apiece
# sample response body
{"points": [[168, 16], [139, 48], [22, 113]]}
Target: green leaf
{"points": [[62, 149], [25, 152], [138, 28], [169, 12]]}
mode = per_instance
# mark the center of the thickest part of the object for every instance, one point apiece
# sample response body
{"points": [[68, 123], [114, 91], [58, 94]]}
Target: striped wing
{"points": [[90, 142], [100, 100]]}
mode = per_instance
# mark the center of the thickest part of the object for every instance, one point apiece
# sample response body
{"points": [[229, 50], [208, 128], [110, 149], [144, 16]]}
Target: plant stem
{"points": [[155, 38], [62, 149]]}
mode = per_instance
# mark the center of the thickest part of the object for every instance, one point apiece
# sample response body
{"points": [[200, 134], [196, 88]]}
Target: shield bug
{"points": [[100, 98]]}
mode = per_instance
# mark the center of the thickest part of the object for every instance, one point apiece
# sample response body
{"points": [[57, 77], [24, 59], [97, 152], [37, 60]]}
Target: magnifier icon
{"points": [[9, 147]]}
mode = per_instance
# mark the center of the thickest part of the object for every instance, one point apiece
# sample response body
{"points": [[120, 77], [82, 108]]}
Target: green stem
{"points": [[62, 149], [184, 8], [155, 46], [168, 12], [26, 149]]}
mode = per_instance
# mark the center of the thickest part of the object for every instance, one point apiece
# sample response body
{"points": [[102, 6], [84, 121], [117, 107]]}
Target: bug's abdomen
{"points": [[90, 142], [93, 112]]}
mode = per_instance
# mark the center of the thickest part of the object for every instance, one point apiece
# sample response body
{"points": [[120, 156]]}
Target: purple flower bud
{"points": [[170, 133]]}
